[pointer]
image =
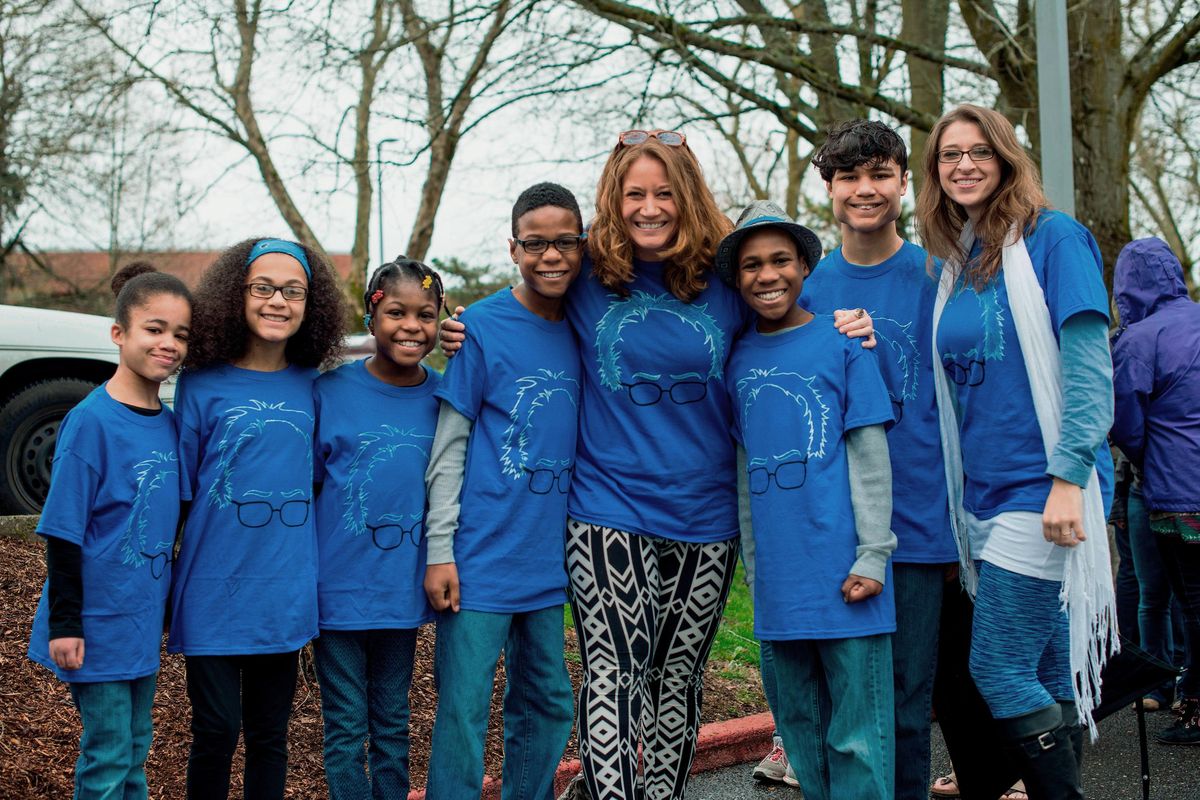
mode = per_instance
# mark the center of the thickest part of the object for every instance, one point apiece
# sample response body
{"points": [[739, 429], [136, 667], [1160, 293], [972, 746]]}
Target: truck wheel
{"points": [[29, 423]]}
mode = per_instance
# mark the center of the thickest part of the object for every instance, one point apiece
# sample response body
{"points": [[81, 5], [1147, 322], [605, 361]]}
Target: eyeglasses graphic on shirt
{"points": [[159, 562], [391, 535], [897, 410], [788, 475], [541, 481], [258, 513], [645, 393], [970, 374]]}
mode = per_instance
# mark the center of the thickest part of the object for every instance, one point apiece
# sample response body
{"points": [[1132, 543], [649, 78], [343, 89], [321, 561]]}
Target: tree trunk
{"points": [[924, 23]]}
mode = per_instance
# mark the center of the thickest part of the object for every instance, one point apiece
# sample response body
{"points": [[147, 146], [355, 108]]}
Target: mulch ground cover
{"points": [[39, 728]]}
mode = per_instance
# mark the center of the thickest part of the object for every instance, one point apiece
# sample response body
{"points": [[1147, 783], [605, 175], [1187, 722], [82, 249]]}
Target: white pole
{"points": [[1054, 104]]}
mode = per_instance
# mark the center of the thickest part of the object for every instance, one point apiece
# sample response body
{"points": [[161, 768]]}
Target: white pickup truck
{"points": [[49, 361]]}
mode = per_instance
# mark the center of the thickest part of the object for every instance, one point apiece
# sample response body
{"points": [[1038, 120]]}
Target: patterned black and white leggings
{"points": [[646, 612]]}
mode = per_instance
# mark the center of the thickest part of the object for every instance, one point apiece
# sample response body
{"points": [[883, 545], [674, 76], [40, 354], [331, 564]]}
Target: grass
{"points": [[735, 647]]}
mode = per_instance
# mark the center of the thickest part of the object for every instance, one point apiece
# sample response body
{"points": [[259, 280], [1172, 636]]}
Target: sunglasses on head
{"points": [[669, 138]]}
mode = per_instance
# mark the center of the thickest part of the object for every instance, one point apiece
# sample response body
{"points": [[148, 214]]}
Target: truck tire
{"points": [[29, 422]]}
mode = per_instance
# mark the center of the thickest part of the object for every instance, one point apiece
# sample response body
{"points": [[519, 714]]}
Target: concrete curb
{"points": [[720, 744], [19, 527]]}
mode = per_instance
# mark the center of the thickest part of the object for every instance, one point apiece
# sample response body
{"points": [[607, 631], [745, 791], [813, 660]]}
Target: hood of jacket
{"points": [[1147, 276]]}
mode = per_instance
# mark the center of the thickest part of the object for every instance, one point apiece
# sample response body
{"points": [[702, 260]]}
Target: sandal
{"points": [[1017, 792], [945, 787]]}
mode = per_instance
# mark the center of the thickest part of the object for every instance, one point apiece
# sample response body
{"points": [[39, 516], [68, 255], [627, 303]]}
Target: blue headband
{"points": [[264, 246]]}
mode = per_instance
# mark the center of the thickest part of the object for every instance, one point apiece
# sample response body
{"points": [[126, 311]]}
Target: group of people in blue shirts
{"points": [[661, 392]]}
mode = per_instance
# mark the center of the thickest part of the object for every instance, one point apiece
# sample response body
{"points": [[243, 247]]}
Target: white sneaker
{"points": [[774, 767], [789, 777]]}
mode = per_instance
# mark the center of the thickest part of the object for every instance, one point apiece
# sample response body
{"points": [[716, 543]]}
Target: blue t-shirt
{"points": [[1004, 460], [246, 575], [795, 395], [899, 295], [517, 380], [114, 491], [654, 450], [372, 447]]}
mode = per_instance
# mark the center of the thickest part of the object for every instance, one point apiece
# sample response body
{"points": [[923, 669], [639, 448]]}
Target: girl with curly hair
{"points": [[1025, 400], [652, 528], [268, 313]]}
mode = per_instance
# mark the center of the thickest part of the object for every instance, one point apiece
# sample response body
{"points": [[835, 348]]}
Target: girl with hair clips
{"points": [[268, 313], [109, 525], [652, 529], [370, 472], [1025, 399]]}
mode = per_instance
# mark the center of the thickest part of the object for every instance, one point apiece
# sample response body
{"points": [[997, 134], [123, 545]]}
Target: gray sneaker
{"points": [[576, 789], [789, 777], [774, 767]]}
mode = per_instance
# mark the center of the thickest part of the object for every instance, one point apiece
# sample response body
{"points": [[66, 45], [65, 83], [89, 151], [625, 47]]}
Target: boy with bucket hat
{"points": [[814, 479]]}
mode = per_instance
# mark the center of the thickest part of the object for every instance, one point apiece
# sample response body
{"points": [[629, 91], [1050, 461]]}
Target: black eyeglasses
{"points": [[636, 137], [392, 535], [952, 156], [258, 513], [563, 244], [897, 410], [788, 475], [970, 374], [159, 562], [644, 393], [265, 291], [541, 481]]}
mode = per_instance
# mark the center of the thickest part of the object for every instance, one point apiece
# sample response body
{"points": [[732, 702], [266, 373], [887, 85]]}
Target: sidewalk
{"points": [[1110, 768]]}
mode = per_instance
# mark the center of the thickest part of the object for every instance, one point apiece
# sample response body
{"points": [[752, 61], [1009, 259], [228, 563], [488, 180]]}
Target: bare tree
{"points": [[1114, 66]]}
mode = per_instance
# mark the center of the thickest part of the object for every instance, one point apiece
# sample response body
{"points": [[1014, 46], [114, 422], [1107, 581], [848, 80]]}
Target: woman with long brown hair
{"points": [[1025, 397], [652, 533]]}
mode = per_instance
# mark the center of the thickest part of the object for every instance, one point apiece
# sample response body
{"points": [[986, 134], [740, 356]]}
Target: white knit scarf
{"points": [[1087, 590]]}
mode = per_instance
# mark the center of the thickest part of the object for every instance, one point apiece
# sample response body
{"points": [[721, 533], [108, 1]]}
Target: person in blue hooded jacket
{"points": [[1156, 423]]}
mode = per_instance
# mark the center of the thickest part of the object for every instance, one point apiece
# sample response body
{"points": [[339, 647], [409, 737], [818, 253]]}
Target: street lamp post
{"points": [[379, 193]]}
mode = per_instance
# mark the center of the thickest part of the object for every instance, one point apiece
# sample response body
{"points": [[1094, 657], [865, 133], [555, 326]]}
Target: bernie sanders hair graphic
{"points": [[242, 425], [534, 394], [905, 352], [970, 368], [635, 309], [800, 390], [376, 451], [152, 474]]}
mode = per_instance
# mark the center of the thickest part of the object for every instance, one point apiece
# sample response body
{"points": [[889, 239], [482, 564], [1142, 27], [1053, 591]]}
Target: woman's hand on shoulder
{"points": [[441, 586], [856, 588], [452, 335], [1062, 520], [855, 323], [67, 652]]}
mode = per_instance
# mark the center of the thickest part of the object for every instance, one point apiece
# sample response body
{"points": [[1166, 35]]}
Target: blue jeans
{"points": [[538, 703], [766, 669], [1183, 570], [919, 589], [835, 713], [365, 677], [1020, 645], [117, 730], [1157, 612], [1128, 594]]}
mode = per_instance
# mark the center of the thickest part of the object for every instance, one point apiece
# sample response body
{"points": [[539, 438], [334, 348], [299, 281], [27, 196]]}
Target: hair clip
{"points": [[376, 296], [367, 320], [425, 284]]}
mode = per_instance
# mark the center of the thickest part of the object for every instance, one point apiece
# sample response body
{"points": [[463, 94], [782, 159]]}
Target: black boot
{"points": [[1043, 744], [1070, 715]]}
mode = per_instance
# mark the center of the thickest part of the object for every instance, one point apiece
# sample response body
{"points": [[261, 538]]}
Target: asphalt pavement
{"points": [[1111, 768]]}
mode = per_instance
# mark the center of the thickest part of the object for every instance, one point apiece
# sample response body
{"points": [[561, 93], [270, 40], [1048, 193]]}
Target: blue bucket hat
{"points": [[763, 214]]}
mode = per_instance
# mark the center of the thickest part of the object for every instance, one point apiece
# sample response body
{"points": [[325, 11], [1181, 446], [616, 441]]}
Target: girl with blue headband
{"points": [[268, 313]]}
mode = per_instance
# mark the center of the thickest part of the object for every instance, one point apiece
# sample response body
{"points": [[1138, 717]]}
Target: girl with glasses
{"points": [[370, 467], [109, 519], [1025, 399], [268, 313]]}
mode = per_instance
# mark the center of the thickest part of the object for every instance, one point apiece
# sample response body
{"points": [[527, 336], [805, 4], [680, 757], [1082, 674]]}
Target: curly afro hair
{"points": [[219, 329]]}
